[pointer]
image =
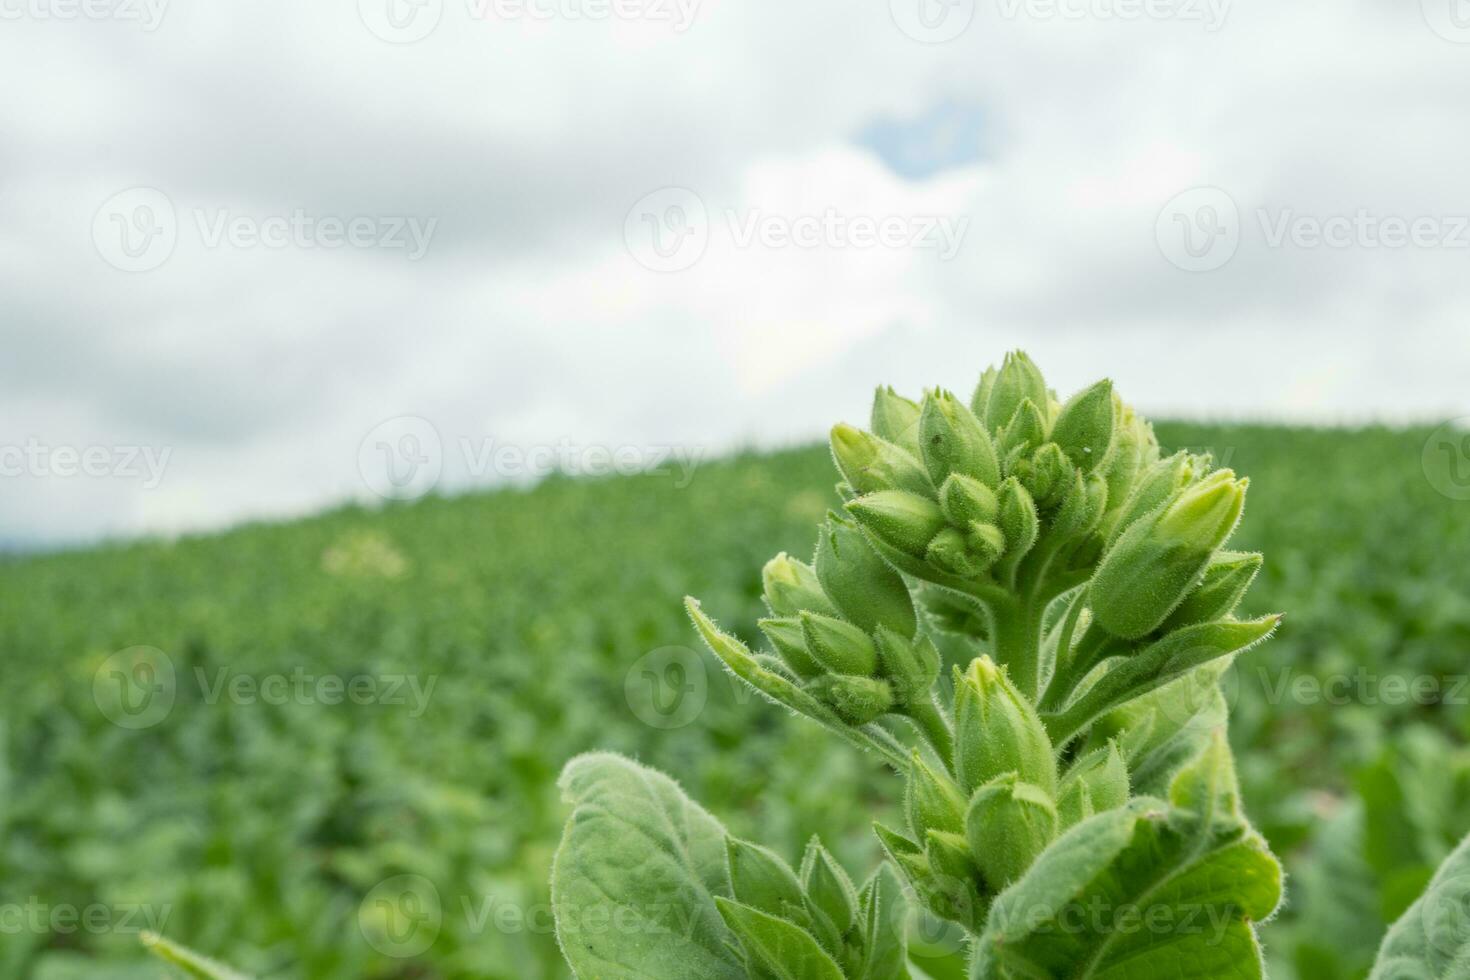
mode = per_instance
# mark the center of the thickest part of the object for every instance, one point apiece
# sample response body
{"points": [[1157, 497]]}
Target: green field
{"points": [[254, 816]]}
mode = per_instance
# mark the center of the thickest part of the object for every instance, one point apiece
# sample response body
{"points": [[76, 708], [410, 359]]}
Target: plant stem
{"points": [[932, 723]]}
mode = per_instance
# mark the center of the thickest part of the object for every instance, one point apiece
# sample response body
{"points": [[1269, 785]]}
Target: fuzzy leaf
{"points": [[1432, 940], [785, 950], [646, 862]]}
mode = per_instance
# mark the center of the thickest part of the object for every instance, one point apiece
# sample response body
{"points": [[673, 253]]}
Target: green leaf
{"points": [[1432, 940], [787, 951], [1157, 890], [193, 964], [634, 882], [1156, 665], [885, 925]]}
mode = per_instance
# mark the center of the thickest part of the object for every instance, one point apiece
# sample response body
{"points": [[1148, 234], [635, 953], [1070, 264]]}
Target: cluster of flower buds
{"points": [[970, 490], [845, 625], [1088, 566], [781, 915], [975, 828]]}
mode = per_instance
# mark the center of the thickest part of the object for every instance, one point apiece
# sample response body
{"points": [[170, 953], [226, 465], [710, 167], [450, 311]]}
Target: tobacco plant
{"points": [[1070, 799]]}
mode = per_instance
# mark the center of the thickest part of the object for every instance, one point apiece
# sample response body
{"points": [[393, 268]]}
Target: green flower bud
{"points": [[1082, 505], [1009, 823], [1074, 803], [952, 440], [932, 801], [910, 666], [906, 521], [947, 550], [828, 887], [1136, 449], [1096, 782], [1018, 380], [987, 542], [1205, 515], [896, 419], [1154, 489], [869, 463], [865, 589], [1025, 431], [839, 646], [1084, 429], [1225, 582], [1158, 560], [980, 400], [949, 855], [786, 636], [997, 730], [1048, 476], [760, 879], [791, 586], [856, 700], [964, 499], [1018, 520]]}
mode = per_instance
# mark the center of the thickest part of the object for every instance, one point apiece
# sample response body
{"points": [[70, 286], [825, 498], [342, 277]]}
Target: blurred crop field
{"points": [[243, 739]]}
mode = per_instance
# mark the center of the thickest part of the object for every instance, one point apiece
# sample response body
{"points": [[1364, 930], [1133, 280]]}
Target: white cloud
{"points": [[529, 321]]}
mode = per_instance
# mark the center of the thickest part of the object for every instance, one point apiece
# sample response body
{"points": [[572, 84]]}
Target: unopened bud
{"points": [[1159, 560], [869, 463], [1096, 782], [896, 419], [863, 586], [786, 636], [1018, 380], [791, 586], [1025, 431], [760, 879], [997, 730], [906, 521], [980, 400], [1084, 429], [948, 550], [827, 886], [856, 700], [1225, 582], [932, 801], [1018, 520], [910, 666], [952, 440], [1010, 822], [839, 646], [1049, 475], [964, 499]]}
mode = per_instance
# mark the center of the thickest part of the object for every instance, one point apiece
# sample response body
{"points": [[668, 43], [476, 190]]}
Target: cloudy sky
{"points": [[258, 258]]}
